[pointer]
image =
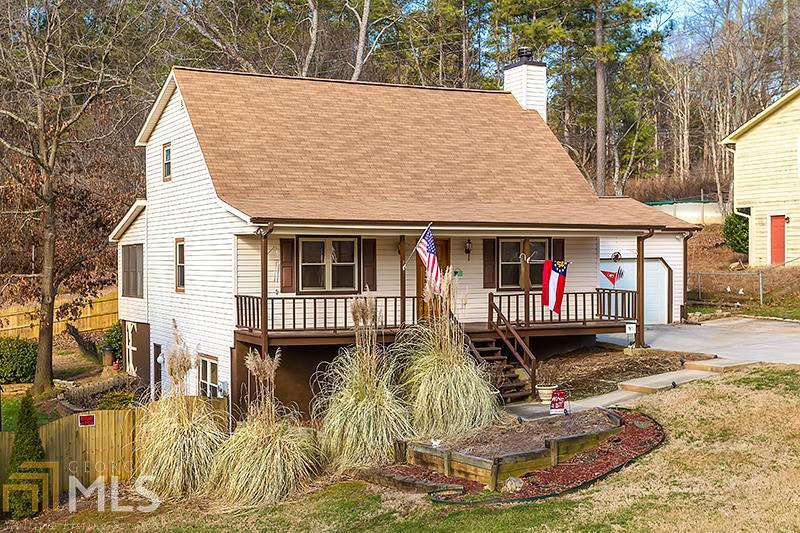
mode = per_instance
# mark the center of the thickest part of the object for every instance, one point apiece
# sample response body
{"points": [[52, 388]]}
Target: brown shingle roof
{"points": [[283, 149]]}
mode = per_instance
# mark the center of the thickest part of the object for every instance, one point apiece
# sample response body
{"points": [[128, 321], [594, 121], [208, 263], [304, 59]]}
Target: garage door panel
{"points": [[656, 285]]}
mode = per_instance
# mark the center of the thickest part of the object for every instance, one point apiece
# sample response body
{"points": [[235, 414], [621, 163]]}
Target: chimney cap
{"points": [[524, 57]]}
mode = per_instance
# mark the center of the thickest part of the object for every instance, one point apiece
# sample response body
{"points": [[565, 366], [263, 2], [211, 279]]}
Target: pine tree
{"points": [[27, 447]]}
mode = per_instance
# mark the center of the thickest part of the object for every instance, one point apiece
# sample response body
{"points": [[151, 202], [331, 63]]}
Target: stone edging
{"points": [[776, 318]]}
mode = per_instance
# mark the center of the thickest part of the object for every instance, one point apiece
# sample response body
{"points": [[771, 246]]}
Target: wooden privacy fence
{"points": [[21, 321], [107, 448]]}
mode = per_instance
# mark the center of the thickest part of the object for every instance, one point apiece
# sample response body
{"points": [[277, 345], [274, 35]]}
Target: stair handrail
{"points": [[502, 319]]}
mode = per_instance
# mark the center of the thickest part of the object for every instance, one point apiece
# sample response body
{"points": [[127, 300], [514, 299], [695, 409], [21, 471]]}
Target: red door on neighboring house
{"points": [[777, 239]]}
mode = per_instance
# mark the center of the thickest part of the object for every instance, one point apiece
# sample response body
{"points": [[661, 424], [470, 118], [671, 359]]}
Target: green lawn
{"points": [[731, 462], [10, 408]]}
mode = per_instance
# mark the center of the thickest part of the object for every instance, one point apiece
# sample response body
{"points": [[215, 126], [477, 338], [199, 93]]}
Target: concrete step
{"points": [[717, 365], [662, 382], [616, 397]]}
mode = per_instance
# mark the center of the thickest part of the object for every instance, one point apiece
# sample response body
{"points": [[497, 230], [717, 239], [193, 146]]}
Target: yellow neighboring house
{"points": [[766, 174]]}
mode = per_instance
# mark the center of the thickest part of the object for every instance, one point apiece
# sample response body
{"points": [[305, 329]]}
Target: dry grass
{"points": [[449, 393], [360, 403], [731, 462], [179, 435], [269, 456]]}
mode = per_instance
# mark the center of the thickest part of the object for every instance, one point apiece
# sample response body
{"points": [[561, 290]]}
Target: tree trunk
{"points": [[312, 33], [363, 24], [786, 52], [43, 378], [599, 38]]}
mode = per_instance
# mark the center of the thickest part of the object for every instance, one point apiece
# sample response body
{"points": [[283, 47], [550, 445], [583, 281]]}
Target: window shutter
{"points": [[558, 250], [369, 254], [489, 264], [287, 265]]}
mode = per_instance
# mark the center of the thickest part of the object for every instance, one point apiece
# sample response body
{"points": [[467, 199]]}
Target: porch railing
{"points": [[576, 307], [319, 313]]}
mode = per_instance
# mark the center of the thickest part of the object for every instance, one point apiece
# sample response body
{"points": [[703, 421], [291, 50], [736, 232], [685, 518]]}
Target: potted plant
{"points": [[547, 381]]}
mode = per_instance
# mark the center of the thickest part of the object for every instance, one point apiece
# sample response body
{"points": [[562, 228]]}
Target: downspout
{"points": [[639, 342], [685, 306], [264, 233]]}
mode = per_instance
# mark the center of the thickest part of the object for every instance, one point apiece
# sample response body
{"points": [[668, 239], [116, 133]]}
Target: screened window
{"points": [[511, 265], [328, 264], [209, 381], [133, 271], [180, 265], [166, 161]]}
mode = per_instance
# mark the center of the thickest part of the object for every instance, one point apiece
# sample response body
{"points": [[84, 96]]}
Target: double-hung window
{"points": [[209, 379], [133, 271], [180, 265], [511, 264], [166, 162], [329, 264]]}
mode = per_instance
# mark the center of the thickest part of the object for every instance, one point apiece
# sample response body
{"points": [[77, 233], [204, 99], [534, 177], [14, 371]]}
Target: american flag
{"points": [[426, 248]]}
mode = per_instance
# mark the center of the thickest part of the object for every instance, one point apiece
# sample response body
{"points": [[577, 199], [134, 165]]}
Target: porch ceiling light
{"points": [[468, 248]]}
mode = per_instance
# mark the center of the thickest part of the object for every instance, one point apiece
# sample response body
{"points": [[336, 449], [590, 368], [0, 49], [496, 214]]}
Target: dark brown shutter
{"points": [[369, 254], [489, 264], [156, 364], [558, 250], [287, 265]]}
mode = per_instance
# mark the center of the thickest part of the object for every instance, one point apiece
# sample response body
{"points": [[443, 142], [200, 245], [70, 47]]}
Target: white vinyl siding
{"points": [[471, 298], [666, 245], [186, 206]]}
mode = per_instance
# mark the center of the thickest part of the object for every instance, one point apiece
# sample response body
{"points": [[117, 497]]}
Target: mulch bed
{"points": [[596, 370], [529, 435], [640, 435]]}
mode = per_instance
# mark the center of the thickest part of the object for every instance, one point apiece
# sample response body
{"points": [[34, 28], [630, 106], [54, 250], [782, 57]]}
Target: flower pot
{"points": [[545, 392], [108, 356]]}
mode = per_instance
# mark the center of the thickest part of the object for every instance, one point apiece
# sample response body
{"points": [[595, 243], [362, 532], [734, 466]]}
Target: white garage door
{"points": [[656, 278]]}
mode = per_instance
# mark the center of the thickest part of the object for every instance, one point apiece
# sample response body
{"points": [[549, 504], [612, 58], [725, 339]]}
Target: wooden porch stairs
{"points": [[511, 380]]}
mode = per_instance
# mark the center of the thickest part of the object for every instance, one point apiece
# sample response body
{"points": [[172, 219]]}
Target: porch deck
{"points": [[320, 320]]}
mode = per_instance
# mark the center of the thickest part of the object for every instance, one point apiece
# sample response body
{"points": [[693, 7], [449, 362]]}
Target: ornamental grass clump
{"points": [[360, 402], [269, 456], [179, 434], [447, 390]]}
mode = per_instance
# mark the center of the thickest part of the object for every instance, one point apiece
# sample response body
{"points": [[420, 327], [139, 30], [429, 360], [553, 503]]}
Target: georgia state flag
{"points": [[554, 277]]}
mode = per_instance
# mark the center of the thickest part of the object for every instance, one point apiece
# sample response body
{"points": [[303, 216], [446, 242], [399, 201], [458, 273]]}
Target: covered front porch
{"points": [[497, 290], [299, 320]]}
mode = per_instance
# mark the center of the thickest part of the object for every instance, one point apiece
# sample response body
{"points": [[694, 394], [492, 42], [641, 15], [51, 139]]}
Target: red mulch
{"points": [[612, 453], [634, 440]]}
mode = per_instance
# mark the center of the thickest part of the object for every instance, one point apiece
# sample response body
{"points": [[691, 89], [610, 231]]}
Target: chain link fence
{"points": [[747, 286]]}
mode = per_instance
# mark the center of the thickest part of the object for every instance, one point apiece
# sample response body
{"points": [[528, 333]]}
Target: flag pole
{"points": [[414, 250]]}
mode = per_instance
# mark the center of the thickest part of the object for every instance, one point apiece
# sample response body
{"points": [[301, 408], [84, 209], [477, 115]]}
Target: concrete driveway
{"points": [[733, 338]]}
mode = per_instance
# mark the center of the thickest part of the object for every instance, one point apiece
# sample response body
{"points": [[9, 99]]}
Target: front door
{"points": [[777, 239], [443, 253]]}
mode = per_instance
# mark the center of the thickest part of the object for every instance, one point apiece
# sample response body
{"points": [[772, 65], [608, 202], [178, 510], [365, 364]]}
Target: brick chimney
{"points": [[526, 79]]}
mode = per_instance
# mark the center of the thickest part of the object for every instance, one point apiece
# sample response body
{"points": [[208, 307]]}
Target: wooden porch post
{"points": [[526, 280], [639, 342], [265, 232], [402, 250]]}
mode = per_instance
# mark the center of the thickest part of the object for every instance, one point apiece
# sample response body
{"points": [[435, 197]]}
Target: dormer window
{"points": [[166, 161]]}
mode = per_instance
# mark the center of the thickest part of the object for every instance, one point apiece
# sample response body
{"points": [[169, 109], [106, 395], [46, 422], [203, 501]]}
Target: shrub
{"points": [[360, 401], [269, 455], [179, 435], [735, 231], [113, 339], [27, 447], [449, 393], [17, 360], [117, 399]]}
